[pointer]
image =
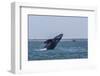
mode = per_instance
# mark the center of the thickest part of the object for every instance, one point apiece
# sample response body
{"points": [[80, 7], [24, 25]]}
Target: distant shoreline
{"points": [[61, 39]]}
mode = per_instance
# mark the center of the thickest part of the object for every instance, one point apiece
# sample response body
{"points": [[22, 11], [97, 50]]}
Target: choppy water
{"points": [[67, 49]]}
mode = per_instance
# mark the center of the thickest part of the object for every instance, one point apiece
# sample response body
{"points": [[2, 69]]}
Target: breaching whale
{"points": [[52, 43]]}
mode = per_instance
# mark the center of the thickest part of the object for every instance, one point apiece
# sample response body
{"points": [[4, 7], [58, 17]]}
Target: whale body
{"points": [[52, 43]]}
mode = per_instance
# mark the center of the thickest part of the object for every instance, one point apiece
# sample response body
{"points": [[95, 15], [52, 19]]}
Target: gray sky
{"points": [[44, 27]]}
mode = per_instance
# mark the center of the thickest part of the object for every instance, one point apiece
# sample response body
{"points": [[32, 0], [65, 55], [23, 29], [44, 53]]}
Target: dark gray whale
{"points": [[52, 43]]}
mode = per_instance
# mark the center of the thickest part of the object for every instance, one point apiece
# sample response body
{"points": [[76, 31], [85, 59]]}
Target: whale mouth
{"points": [[59, 36]]}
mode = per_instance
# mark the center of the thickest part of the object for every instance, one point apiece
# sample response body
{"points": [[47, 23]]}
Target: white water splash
{"points": [[44, 49]]}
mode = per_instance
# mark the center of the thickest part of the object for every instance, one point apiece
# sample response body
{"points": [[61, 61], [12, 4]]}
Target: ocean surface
{"points": [[66, 49]]}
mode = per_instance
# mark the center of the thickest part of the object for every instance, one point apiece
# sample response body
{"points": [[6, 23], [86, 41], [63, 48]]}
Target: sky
{"points": [[45, 27]]}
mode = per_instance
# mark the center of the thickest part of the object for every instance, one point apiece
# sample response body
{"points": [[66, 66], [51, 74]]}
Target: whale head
{"points": [[58, 37]]}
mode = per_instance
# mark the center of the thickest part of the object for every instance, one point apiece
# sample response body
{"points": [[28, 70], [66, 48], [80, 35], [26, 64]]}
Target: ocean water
{"points": [[67, 49]]}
